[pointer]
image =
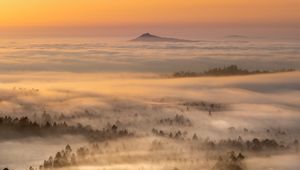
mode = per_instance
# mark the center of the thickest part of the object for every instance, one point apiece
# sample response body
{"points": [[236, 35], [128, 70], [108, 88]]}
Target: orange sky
{"points": [[107, 13]]}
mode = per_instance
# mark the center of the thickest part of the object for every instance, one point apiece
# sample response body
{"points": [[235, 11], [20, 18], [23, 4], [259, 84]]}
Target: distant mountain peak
{"points": [[147, 34], [148, 37]]}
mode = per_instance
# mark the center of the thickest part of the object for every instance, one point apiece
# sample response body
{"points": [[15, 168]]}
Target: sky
{"points": [[169, 16]]}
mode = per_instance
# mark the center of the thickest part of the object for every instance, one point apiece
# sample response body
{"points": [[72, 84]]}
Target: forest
{"points": [[231, 70]]}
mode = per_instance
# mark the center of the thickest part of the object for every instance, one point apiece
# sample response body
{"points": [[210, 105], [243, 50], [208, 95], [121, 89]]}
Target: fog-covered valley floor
{"points": [[99, 106]]}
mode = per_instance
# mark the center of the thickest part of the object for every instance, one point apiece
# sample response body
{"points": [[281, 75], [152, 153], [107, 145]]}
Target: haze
{"points": [[199, 18], [149, 85]]}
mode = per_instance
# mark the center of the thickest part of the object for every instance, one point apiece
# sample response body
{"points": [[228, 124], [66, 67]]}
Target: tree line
{"points": [[254, 145], [23, 127], [224, 71], [178, 120]]}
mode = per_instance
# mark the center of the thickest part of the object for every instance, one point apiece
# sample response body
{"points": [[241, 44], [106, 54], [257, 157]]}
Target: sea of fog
{"points": [[103, 82], [94, 55]]}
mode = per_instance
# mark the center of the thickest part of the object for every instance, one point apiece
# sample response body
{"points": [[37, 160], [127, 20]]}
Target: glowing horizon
{"points": [[48, 14]]}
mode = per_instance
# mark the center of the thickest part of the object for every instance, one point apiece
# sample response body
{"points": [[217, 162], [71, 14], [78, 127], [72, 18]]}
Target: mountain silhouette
{"points": [[147, 37]]}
